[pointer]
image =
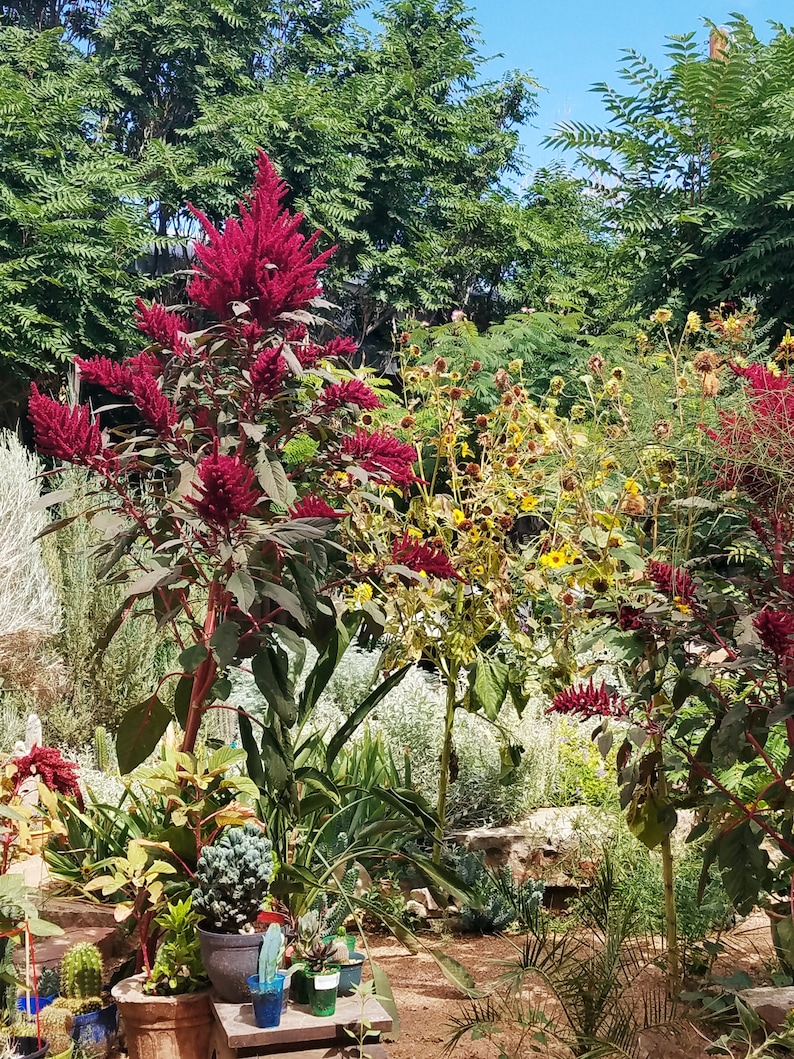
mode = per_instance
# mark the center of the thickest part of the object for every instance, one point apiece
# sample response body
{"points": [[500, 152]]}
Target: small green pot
{"points": [[299, 986], [349, 940], [323, 986]]}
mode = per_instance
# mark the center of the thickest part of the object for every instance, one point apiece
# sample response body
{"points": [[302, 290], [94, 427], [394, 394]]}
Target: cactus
{"points": [[81, 973], [102, 748], [269, 953], [233, 877], [49, 984], [337, 913], [56, 1026]]}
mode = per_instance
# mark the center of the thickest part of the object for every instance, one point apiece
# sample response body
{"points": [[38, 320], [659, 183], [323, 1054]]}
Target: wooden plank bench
{"points": [[300, 1034]]}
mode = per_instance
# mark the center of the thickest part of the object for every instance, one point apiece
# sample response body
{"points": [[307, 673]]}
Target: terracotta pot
{"points": [[163, 1027]]}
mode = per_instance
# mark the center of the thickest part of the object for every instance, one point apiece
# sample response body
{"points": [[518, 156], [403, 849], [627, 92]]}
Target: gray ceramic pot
{"points": [[230, 960]]}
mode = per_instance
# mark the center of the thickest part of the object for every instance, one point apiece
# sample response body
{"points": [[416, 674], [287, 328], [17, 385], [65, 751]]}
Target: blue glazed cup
{"points": [[266, 998]]}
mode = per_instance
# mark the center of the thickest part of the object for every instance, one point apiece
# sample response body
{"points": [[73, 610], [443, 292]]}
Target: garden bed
{"points": [[427, 1002]]}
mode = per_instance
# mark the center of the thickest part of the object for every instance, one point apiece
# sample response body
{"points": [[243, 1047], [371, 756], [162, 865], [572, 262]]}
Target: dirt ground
{"points": [[427, 1003]]}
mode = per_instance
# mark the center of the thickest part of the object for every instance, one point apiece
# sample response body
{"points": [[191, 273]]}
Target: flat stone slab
{"points": [[49, 951], [298, 1025], [770, 1003]]}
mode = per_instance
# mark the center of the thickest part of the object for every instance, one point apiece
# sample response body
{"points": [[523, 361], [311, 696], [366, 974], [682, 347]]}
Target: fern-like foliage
{"points": [[696, 168], [71, 225]]}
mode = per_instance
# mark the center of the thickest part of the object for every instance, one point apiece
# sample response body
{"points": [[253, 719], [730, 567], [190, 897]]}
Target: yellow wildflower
{"points": [[458, 516], [529, 503], [662, 316], [465, 451], [681, 605], [693, 323], [632, 487], [554, 560], [478, 569], [515, 366], [361, 593]]}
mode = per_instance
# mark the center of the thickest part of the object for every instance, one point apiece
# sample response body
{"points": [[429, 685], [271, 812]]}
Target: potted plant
{"points": [[56, 1026], [267, 986], [95, 1025], [166, 1013], [48, 987], [322, 978], [232, 879]]}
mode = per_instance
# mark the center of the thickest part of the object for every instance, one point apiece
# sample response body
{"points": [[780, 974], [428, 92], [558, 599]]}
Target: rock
{"points": [[770, 1003], [422, 903], [49, 951], [561, 846]]}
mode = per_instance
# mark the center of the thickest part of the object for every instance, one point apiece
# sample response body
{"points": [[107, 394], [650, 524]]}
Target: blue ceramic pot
{"points": [[350, 973], [32, 1005], [96, 1031]]}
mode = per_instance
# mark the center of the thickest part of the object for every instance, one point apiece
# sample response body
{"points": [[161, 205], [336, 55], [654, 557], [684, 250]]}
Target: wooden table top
{"points": [[297, 1023]]}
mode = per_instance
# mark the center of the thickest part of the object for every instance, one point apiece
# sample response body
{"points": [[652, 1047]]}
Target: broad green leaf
{"points": [[326, 664], [456, 974], [270, 666], [346, 730], [141, 729], [224, 642], [192, 657], [651, 819], [489, 687], [242, 587]]}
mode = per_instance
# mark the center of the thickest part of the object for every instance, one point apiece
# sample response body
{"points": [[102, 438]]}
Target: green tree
{"points": [[70, 225], [696, 166]]}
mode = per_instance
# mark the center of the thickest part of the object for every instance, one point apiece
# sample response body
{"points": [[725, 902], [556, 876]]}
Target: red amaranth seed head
{"points": [[314, 507], [775, 630], [260, 259], [62, 432], [164, 327], [386, 459], [586, 700], [227, 489], [351, 392], [49, 765], [422, 558], [675, 582]]}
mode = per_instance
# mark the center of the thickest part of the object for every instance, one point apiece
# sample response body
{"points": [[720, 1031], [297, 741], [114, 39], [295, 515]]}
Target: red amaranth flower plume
{"points": [[308, 353], [162, 326], [153, 404], [757, 444], [262, 259], [227, 489], [48, 764], [352, 391], [341, 346], [589, 701], [775, 629], [63, 432], [102, 371], [267, 372], [422, 558], [314, 507], [673, 581], [386, 459]]}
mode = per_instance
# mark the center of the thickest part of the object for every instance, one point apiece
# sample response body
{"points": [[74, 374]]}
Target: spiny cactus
{"points": [[233, 877], [102, 748], [78, 1005], [81, 972], [56, 1026], [49, 983], [337, 913]]}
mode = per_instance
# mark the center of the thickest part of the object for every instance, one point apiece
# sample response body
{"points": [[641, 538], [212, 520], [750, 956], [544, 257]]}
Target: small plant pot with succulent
{"points": [[95, 1023], [166, 1014], [56, 1026], [48, 987], [267, 985], [322, 978], [233, 877]]}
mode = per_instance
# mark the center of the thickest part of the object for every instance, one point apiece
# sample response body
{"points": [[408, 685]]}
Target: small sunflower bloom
{"points": [[662, 316]]}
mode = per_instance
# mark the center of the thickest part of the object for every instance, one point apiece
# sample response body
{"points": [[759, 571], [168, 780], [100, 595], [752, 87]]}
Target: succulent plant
{"points": [[320, 955], [233, 877], [269, 953], [49, 983], [81, 979], [56, 1026]]}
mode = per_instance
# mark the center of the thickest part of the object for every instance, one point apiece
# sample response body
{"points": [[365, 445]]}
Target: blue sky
{"points": [[570, 44]]}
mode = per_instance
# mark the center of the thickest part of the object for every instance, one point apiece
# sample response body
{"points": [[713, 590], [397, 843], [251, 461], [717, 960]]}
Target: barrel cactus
{"points": [[49, 984], [56, 1027], [233, 877], [81, 978]]}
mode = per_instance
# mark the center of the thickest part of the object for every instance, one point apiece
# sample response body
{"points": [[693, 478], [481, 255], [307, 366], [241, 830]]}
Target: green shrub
{"points": [[101, 685]]}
